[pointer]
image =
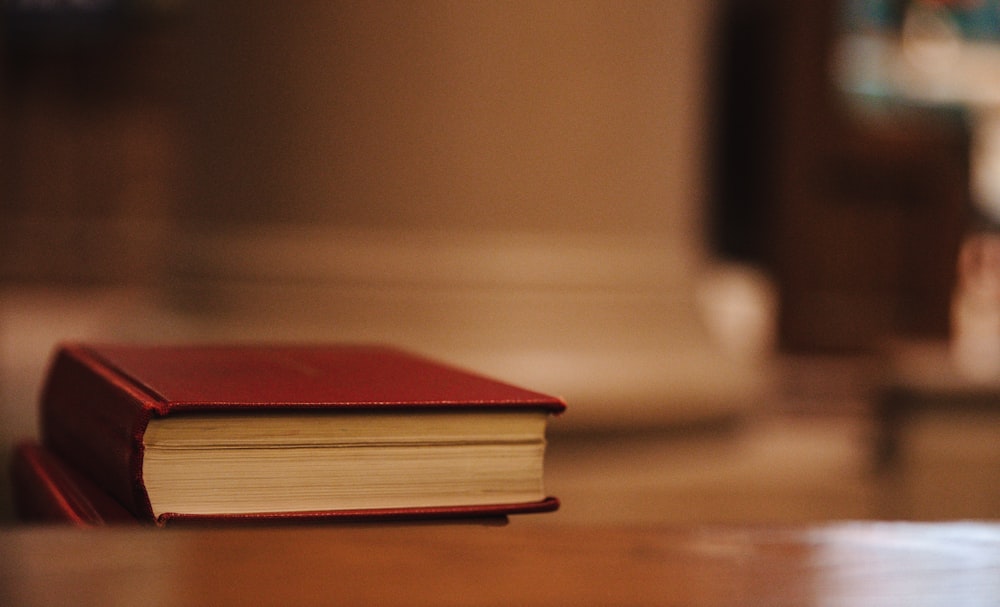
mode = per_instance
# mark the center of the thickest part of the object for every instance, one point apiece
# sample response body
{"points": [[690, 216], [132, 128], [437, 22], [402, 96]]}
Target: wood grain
{"points": [[442, 565]]}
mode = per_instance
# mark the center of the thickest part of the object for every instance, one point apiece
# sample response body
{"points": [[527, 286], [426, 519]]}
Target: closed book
{"points": [[47, 490], [301, 432]]}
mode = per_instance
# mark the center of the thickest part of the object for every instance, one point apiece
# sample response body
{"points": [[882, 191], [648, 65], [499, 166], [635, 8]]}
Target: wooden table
{"points": [[524, 563]]}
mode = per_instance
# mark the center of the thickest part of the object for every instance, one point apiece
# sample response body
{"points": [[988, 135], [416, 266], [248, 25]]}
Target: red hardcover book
{"points": [[46, 490], [214, 432]]}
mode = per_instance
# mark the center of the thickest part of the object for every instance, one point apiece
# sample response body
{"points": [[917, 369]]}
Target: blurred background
{"points": [[720, 229]]}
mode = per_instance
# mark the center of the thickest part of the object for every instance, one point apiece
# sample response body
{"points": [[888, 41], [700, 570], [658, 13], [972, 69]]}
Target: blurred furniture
{"points": [[527, 563], [856, 214], [920, 380], [935, 448]]}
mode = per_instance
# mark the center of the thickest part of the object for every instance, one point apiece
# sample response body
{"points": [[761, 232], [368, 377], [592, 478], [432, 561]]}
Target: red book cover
{"points": [[99, 399], [46, 490]]}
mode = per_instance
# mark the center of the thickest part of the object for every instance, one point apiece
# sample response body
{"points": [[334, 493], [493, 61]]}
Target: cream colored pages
{"points": [[315, 461]]}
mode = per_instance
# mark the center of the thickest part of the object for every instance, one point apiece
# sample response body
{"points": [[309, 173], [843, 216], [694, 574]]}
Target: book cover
{"points": [[100, 402], [47, 490]]}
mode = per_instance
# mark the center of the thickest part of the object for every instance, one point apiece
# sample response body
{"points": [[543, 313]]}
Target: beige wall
{"points": [[517, 186], [541, 116]]}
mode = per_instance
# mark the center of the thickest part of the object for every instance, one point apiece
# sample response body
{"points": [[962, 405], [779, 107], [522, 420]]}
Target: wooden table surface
{"points": [[519, 564]]}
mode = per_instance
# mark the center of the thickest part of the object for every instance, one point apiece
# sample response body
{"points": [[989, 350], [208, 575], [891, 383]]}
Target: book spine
{"points": [[95, 420]]}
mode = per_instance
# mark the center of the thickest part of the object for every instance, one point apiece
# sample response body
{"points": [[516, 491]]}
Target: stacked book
{"points": [[203, 433]]}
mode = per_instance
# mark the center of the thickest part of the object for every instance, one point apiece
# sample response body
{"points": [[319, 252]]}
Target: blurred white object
{"points": [[931, 40], [739, 309], [976, 309], [929, 62], [985, 178]]}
